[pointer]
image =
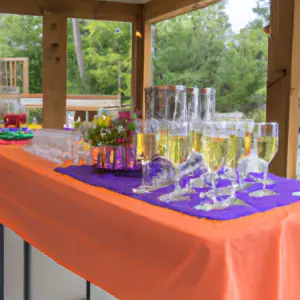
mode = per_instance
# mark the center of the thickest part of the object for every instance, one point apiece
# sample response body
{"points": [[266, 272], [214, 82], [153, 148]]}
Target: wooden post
{"points": [[15, 73], [54, 70], [141, 72], [25, 77], [284, 82], [10, 74]]}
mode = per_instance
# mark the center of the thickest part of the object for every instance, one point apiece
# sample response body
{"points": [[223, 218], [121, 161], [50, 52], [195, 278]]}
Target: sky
{"points": [[240, 13]]}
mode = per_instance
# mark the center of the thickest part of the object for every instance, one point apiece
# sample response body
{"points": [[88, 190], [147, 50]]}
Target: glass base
{"points": [[143, 189], [180, 195], [233, 201], [220, 205], [211, 206], [198, 183], [263, 193], [259, 180]]}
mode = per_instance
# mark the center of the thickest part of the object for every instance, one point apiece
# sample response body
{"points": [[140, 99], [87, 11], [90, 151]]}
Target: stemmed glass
{"points": [[178, 136], [237, 146], [215, 141], [249, 126], [149, 150], [266, 138], [151, 137]]}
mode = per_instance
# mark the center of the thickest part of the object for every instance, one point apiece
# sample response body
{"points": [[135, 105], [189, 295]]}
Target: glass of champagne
{"points": [[249, 127], [266, 136], [215, 142], [160, 94], [196, 146], [194, 117], [148, 150], [237, 140], [178, 137], [152, 138]]}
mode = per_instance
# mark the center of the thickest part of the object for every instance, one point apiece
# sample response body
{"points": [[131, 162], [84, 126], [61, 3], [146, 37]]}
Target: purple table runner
{"points": [[284, 189]]}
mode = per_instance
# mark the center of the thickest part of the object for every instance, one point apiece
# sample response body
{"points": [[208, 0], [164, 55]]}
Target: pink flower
{"points": [[119, 141], [124, 115]]}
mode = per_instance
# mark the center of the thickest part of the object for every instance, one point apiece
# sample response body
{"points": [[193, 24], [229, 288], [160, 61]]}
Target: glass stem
{"points": [[266, 171], [213, 184], [143, 174], [177, 180], [241, 180]]}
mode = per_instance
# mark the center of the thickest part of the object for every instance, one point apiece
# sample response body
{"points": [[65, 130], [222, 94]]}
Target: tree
{"points": [[188, 48], [201, 49], [107, 51], [21, 36], [262, 10], [243, 72]]}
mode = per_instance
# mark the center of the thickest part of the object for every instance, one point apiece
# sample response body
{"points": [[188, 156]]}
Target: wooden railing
{"points": [[74, 102]]}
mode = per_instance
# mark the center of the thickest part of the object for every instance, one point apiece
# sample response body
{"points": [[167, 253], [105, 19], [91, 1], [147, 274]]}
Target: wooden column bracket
{"points": [[54, 69], [283, 81]]}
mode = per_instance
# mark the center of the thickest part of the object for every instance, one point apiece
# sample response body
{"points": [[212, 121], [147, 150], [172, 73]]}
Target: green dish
{"points": [[15, 136]]}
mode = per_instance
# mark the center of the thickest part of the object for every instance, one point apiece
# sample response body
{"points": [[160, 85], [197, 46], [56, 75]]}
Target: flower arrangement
{"points": [[117, 132]]}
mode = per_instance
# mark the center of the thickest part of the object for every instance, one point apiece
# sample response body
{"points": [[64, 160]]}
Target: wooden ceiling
{"points": [[130, 1], [112, 10]]}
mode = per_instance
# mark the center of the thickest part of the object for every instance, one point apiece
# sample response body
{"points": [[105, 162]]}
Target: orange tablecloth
{"points": [[138, 251]]}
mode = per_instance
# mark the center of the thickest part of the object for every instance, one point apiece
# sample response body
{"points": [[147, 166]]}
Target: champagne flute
{"points": [[249, 126], [178, 154], [237, 149], [196, 145], [215, 149], [266, 135], [178, 137], [148, 147]]}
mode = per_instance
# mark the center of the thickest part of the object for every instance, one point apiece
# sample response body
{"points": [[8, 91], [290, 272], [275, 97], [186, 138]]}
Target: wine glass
{"points": [[196, 145], [178, 137], [178, 154], [249, 126], [215, 141], [237, 147], [266, 138], [147, 140]]}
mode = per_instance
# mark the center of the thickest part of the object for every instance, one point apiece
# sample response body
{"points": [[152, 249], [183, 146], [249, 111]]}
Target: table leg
{"points": [[88, 290], [1, 262], [27, 264]]}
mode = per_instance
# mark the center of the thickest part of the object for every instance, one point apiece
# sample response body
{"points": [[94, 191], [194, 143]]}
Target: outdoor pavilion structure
{"points": [[283, 68]]}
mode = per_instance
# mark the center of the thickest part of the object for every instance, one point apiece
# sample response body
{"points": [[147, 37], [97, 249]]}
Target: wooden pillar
{"points": [[284, 82], [25, 77], [15, 73], [134, 64], [141, 63], [54, 70], [10, 74]]}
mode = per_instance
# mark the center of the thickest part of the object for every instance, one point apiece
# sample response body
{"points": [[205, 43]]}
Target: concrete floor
{"points": [[48, 279]]}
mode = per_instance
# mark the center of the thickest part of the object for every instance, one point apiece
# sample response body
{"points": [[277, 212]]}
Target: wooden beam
{"points": [[13, 58], [134, 64], [147, 55], [138, 35], [10, 74], [284, 82], [54, 70], [141, 59], [77, 97], [25, 77], [15, 73], [88, 9], [157, 10]]}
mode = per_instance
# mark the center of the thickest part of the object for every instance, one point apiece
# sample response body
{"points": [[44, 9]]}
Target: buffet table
{"points": [[135, 250]]}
